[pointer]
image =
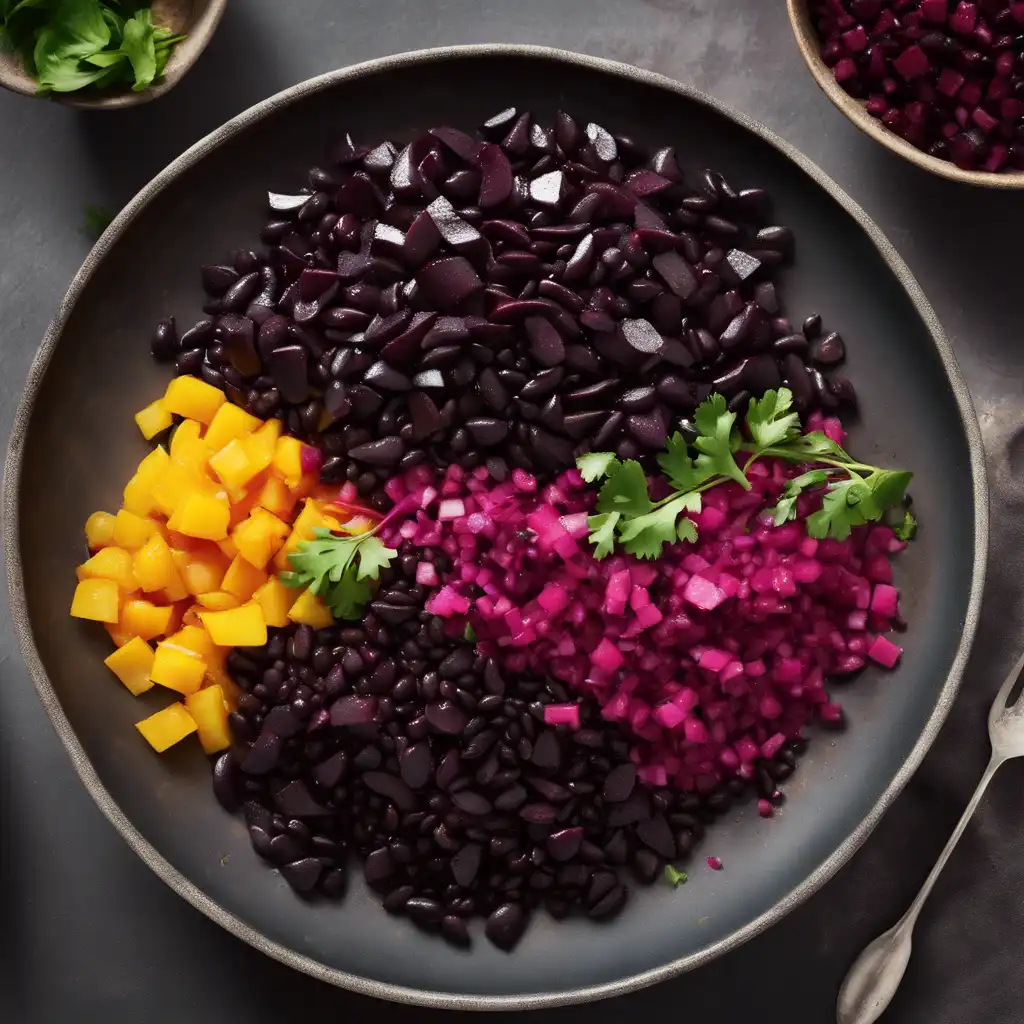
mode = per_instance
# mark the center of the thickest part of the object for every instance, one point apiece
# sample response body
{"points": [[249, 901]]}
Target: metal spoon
{"points": [[875, 975]]}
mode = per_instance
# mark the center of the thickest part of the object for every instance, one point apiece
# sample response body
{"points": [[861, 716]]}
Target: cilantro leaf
{"points": [[602, 533], [674, 876], [625, 491], [139, 47], [686, 530], [908, 528], [677, 465], [808, 447], [771, 420], [596, 465], [715, 423], [469, 634], [95, 221], [645, 536], [349, 598], [785, 510], [837, 515], [373, 557], [889, 486]]}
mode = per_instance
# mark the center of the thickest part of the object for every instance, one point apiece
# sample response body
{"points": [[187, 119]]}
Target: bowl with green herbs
{"points": [[103, 54]]}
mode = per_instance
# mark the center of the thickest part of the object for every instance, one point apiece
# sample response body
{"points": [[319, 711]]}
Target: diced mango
{"points": [[243, 579], [178, 482], [304, 486], [187, 444], [145, 619], [177, 591], [239, 627], [117, 634], [308, 520], [194, 637], [262, 444], [202, 515], [208, 709], [153, 419], [138, 492], [110, 564], [99, 530], [153, 565], [275, 497], [177, 668], [167, 727], [228, 548], [132, 531], [309, 610], [228, 424], [193, 398], [276, 601], [259, 537], [288, 459], [131, 664], [97, 599], [218, 601], [202, 571], [233, 466]]}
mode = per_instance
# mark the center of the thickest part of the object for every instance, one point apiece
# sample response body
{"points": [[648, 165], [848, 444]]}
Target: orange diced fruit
{"points": [[309, 610], [98, 599], [117, 634], [259, 537], [208, 709], [238, 627], [154, 419], [218, 600], [288, 459], [145, 619], [201, 572], [262, 444], [139, 494], [109, 564], [99, 530], [202, 515], [228, 424], [233, 466], [275, 497], [276, 601], [131, 664], [193, 398], [153, 565], [131, 531], [177, 668], [243, 579], [167, 727]]}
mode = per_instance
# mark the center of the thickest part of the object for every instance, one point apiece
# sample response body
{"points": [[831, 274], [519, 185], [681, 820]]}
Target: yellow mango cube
{"points": [[194, 637], [153, 565], [239, 627], [193, 398], [208, 708], [99, 530], [229, 423], [202, 515], [218, 600], [177, 591], [167, 727], [259, 537], [275, 497], [154, 419], [233, 466], [110, 564], [201, 573], [309, 519], [228, 548], [187, 444], [287, 460], [131, 664], [276, 601], [138, 492], [177, 668], [145, 619], [97, 599], [243, 579], [117, 634], [309, 610], [262, 443], [131, 531]]}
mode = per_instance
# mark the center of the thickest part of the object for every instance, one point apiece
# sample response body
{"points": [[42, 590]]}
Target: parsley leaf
{"points": [[838, 514], [602, 533], [596, 465], [785, 510], [674, 876], [715, 423], [771, 420], [908, 528], [469, 634], [373, 557], [677, 465], [625, 491], [889, 486], [140, 48]]}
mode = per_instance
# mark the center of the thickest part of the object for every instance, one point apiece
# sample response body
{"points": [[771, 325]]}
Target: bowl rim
{"points": [[192, 893], [808, 44]]}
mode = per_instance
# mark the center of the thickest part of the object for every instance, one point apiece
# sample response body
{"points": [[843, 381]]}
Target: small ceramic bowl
{"points": [[196, 19], [810, 47]]}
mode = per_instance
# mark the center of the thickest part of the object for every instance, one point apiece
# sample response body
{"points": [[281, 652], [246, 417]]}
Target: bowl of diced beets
{"points": [[940, 82]]}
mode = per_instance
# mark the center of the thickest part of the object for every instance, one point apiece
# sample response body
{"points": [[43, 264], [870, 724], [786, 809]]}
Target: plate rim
{"points": [[192, 893]]}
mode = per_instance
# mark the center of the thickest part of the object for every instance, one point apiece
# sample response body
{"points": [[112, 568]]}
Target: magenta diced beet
{"points": [[912, 62], [845, 70], [935, 12], [970, 94], [997, 157], [884, 652], [984, 120], [950, 81], [1005, 63], [877, 106], [1017, 10], [855, 40], [963, 18]]}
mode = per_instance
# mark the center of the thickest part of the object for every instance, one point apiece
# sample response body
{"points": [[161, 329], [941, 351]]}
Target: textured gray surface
{"points": [[92, 932]]}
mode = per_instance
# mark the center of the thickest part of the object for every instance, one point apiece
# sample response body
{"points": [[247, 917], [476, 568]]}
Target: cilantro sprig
{"points": [[854, 492], [338, 569]]}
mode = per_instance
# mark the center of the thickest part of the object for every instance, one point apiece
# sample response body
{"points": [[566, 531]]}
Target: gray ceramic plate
{"points": [[75, 445]]}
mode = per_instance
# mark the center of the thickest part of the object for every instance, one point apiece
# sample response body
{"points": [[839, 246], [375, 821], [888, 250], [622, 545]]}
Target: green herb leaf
{"points": [[596, 465], [95, 221], [625, 491], [675, 877], [373, 557], [715, 423], [469, 634], [686, 530], [677, 465], [838, 514], [889, 486], [771, 420], [75, 29], [808, 447], [350, 597], [908, 528], [602, 533], [139, 47], [785, 510]]}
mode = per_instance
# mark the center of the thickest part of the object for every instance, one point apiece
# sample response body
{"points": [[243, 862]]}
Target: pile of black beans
{"points": [[529, 294], [392, 740]]}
